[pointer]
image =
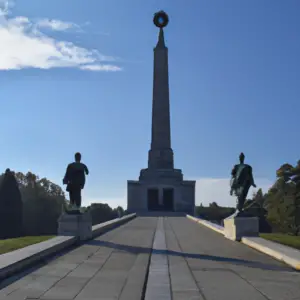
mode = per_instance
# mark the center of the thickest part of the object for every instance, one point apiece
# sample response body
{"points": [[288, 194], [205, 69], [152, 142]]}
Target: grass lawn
{"points": [[285, 239], [17, 243]]}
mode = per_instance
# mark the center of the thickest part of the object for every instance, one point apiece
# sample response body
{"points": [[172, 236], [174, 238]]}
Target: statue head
{"points": [[242, 158], [77, 157]]}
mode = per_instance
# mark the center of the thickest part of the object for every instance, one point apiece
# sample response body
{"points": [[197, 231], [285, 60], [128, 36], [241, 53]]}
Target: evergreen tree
{"points": [[11, 207], [283, 200]]}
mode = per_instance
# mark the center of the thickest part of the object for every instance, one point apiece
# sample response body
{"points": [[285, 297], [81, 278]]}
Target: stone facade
{"points": [[183, 195]]}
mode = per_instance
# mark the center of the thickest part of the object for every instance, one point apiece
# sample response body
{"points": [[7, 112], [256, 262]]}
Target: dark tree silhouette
{"points": [[11, 207]]}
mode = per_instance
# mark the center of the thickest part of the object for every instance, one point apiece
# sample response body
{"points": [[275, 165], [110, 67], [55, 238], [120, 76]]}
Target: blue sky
{"points": [[77, 76]]}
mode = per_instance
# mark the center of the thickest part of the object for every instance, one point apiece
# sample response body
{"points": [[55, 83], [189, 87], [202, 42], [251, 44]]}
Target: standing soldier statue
{"points": [[241, 181], [75, 181]]}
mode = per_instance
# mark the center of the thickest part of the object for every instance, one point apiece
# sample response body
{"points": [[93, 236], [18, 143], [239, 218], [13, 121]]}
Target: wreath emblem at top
{"points": [[161, 19]]}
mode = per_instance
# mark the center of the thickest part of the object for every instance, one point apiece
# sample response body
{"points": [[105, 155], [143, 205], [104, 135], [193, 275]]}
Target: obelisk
{"points": [[161, 187], [161, 154]]}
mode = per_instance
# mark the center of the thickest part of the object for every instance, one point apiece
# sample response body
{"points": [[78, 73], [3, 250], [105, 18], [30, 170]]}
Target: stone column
{"points": [[161, 153]]}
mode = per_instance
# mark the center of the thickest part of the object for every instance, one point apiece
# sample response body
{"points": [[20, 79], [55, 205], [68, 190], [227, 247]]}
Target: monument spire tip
{"points": [[161, 20], [161, 39]]}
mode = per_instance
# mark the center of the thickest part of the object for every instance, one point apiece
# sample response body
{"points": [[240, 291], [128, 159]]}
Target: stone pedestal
{"points": [[79, 225], [237, 227]]}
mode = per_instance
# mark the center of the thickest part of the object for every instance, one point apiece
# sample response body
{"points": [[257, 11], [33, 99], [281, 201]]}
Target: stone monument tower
{"points": [[161, 187]]}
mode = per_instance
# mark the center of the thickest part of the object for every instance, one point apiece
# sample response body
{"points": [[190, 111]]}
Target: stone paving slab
{"points": [[136, 278], [225, 269], [283, 253], [198, 264], [19, 259], [113, 266], [158, 284], [15, 261], [118, 275], [183, 284], [103, 227]]}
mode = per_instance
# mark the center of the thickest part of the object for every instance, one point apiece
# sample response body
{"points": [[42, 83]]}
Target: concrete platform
{"points": [[206, 265], [191, 262], [113, 266], [283, 253], [18, 260], [160, 214]]}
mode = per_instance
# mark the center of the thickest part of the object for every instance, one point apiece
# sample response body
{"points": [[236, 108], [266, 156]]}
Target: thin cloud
{"points": [[56, 25], [24, 45], [100, 68]]}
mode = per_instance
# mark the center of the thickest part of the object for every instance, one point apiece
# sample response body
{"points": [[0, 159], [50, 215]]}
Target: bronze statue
{"points": [[75, 181], [241, 181]]}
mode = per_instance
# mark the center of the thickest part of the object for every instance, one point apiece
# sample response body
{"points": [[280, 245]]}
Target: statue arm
{"points": [[67, 175], [252, 178], [253, 183], [232, 182], [233, 172], [86, 170]]}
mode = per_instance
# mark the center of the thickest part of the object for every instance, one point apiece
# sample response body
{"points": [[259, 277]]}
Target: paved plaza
{"points": [[199, 264]]}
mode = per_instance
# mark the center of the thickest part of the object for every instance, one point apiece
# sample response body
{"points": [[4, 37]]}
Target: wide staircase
{"points": [[168, 257]]}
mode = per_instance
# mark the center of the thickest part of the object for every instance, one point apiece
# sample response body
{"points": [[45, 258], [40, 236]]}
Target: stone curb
{"points": [[112, 224], [18, 260], [208, 224], [286, 254], [283, 253]]}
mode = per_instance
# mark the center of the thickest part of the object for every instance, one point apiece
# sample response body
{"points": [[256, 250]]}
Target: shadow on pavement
{"points": [[236, 261]]}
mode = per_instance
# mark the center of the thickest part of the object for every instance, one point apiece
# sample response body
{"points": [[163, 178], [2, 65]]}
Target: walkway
{"points": [[217, 268], [200, 264]]}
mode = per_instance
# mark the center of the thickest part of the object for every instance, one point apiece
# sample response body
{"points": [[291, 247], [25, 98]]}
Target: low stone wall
{"points": [[15, 261], [286, 254], [213, 226], [18, 260], [112, 224]]}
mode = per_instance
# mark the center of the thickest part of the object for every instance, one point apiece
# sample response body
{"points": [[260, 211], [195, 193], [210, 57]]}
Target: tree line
{"points": [[278, 210], [31, 206]]}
